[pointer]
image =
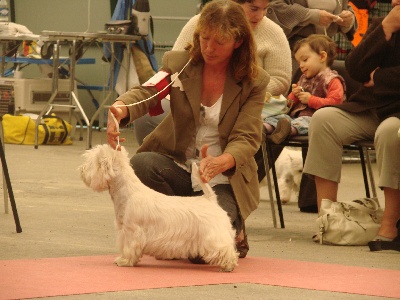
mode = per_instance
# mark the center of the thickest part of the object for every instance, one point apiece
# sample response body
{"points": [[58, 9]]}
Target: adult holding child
{"points": [[216, 100], [273, 55], [371, 113]]}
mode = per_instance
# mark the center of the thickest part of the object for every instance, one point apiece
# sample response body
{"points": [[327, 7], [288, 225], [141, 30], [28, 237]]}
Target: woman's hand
{"points": [[346, 18], [113, 132], [391, 23], [211, 166], [371, 82], [325, 18]]}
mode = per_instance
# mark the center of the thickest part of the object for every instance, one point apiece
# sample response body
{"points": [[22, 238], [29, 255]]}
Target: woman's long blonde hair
{"points": [[229, 21]]}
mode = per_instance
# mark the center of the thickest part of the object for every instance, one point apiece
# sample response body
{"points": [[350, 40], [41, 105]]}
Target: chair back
{"points": [[352, 85]]}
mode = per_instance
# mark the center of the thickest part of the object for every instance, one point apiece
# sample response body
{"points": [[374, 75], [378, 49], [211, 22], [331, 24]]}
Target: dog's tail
{"points": [[207, 190]]}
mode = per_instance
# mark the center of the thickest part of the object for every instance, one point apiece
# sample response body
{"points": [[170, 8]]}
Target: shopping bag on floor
{"points": [[20, 129], [349, 223]]}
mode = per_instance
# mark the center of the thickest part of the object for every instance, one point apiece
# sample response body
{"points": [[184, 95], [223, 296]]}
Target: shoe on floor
{"points": [[383, 243], [387, 244], [309, 209], [242, 247], [281, 132]]}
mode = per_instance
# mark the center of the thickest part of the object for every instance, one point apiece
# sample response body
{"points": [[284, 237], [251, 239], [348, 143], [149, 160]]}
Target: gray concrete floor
{"points": [[61, 217]]}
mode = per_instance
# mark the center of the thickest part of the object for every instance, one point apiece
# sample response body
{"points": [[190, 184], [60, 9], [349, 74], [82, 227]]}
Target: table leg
{"points": [[109, 94], [74, 98], [3, 58], [56, 57], [9, 188]]}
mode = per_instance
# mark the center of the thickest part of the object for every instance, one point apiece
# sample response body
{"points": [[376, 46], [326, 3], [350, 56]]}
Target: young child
{"points": [[318, 86]]}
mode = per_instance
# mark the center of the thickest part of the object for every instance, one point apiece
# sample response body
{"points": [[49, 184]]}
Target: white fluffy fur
{"points": [[154, 224], [289, 169]]}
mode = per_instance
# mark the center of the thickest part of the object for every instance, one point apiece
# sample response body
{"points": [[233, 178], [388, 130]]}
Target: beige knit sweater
{"points": [[273, 51]]}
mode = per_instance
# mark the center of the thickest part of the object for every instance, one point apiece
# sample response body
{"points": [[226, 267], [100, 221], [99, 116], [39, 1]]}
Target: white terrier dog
{"points": [[155, 224], [289, 169]]}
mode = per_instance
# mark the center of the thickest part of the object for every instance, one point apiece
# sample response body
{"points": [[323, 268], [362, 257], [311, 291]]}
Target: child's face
{"points": [[311, 63]]}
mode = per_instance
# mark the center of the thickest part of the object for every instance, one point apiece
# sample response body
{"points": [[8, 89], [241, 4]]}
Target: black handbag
{"points": [[119, 27]]}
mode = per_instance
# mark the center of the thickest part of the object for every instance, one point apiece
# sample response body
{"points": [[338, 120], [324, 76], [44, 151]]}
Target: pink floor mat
{"points": [[29, 278]]}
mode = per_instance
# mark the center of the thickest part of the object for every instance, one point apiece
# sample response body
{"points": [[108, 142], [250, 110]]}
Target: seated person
{"points": [[319, 86], [371, 113]]}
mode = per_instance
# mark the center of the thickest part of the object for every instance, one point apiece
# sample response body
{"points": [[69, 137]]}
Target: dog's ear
{"points": [[105, 166], [104, 169]]}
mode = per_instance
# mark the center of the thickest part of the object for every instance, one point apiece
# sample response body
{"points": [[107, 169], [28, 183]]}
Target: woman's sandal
{"points": [[379, 244]]}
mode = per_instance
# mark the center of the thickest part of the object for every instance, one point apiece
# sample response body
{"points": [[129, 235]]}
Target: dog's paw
{"points": [[285, 189], [124, 262], [229, 267], [228, 262]]}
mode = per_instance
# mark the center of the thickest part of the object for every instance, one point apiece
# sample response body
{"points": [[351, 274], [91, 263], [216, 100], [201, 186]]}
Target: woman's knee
{"points": [[324, 124], [141, 161], [387, 142], [387, 132], [148, 165], [387, 145], [322, 117]]}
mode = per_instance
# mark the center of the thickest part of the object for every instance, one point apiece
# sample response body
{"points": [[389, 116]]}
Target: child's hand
{"points": [[296, 89], [304, 97]]}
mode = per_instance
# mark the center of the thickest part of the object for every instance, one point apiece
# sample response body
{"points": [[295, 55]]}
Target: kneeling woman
{"points": [[216, 95]]}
